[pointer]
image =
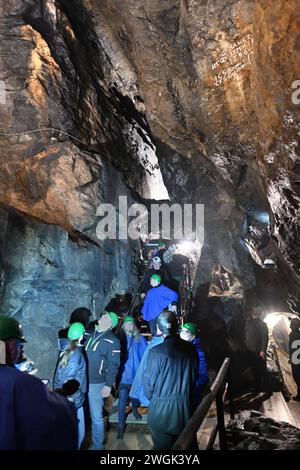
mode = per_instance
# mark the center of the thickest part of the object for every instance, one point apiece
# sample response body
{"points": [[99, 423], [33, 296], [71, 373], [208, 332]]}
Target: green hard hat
{"points": [[156, 277], [128, 318], [76, 330], [10, 328], [114, 318], [192, 327]]}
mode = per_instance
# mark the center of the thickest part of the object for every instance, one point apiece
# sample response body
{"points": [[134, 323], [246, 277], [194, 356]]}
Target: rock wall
{"points": [[250, 430], [46, 274], [164, 99], [70, 140]]}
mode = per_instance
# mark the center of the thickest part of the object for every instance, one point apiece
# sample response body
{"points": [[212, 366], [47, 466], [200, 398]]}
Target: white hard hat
{"points": [[269, 261]]}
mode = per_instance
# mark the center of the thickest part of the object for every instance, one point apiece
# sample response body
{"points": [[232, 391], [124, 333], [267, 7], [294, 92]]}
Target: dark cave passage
{"points": [[135, 130]]}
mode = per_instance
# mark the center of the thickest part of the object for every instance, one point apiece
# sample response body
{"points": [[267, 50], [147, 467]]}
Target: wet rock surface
{"points": [[46, 273], [253, 431], [182, 100]]}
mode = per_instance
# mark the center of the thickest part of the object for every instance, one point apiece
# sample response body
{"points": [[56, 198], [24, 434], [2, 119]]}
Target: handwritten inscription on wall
{"points": [[230, 62]]}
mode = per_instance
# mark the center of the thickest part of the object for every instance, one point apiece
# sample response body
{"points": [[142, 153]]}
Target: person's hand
{"points": [[143, 295], [262, 355], [105, 392]]}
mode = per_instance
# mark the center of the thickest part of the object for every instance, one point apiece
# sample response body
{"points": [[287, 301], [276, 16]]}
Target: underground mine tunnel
{"points": [[149, 192]]}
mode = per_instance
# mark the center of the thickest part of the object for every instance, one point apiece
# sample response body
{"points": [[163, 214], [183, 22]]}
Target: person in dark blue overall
{"points": [[169, 380], [133, 346]]}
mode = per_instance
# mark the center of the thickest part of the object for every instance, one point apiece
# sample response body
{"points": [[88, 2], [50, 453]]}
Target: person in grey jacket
{"points": [[256, 342], [103, 354], [70, 377]]}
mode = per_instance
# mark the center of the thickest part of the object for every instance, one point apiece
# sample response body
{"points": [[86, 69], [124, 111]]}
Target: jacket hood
{"points": [[63, 343]]}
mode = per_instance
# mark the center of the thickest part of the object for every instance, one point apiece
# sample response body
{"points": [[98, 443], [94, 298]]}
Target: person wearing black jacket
{"points": [[169, 380], [294, 350], [103, 353], [256, 342], [157, 267]]}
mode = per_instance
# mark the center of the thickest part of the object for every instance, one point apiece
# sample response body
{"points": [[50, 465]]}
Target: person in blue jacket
{"points": [[133, 346], [31, 416], [157, 299], [188, 332], [137, 388], [72, 367]]}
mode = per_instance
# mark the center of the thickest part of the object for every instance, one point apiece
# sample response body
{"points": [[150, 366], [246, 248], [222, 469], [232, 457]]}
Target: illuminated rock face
{"points": [[182, 100]]}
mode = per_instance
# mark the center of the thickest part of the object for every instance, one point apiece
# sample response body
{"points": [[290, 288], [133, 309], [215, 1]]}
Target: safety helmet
{"points": [[128, 318], [10, 328], [269, 263], [167, 322], [191, 327], [156, 277], [76, 330], [114, 318]]}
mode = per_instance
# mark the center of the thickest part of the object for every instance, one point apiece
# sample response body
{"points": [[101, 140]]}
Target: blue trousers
{"points": [[81, 425], [96, 411], [123, 397]]}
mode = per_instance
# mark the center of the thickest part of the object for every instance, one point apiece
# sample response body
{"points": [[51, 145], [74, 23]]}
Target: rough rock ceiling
{"points": [[141, 83]]}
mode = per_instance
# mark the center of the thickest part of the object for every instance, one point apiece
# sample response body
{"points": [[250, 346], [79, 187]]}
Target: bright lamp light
{"points": [[185, 247], [272, 319]]}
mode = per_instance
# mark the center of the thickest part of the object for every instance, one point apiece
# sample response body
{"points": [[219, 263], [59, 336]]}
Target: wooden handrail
{"points": [[187, 438]]}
